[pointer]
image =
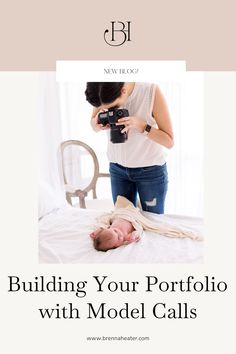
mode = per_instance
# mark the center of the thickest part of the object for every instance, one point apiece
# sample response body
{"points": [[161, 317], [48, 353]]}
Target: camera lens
{"points": [[119, 113], [116, 136]]}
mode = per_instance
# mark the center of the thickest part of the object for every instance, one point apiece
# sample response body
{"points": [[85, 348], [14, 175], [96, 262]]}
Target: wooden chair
{"points": [[80, 169]]}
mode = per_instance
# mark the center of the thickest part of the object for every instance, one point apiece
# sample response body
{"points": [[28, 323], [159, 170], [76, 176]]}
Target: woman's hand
{"points": [[94, 121], [132, 123]]}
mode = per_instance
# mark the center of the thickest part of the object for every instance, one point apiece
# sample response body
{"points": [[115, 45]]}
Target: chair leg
{"points": [[82, 203], [68, 198], [81, 195]]}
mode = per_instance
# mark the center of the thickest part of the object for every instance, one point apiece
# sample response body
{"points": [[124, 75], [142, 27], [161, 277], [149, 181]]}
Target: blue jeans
{"points": [[150, 183]]}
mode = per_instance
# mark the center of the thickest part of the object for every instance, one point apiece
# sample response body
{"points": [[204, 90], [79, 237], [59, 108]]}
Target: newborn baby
{"points": [[126, 224], [121, 232]]}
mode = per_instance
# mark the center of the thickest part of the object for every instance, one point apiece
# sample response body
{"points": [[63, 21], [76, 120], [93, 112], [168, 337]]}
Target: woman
{"points": [[137, 166]]}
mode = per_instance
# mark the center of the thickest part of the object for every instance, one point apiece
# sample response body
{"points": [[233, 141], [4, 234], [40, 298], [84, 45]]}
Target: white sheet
{"points": [[63, 238]]}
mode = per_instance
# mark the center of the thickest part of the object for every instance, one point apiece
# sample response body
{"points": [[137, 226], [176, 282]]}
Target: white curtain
{"points": [[49, 132], [66, 114], [185, 161]]}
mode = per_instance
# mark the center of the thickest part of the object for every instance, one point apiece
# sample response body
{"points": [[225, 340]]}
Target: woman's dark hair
{"points": [[98, 93]]}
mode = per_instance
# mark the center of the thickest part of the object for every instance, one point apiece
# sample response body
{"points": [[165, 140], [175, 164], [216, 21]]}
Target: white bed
{"points": [[63, 238]]}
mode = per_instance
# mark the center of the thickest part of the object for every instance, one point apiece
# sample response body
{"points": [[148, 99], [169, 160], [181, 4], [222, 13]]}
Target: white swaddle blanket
{"points": [[124, 209]]}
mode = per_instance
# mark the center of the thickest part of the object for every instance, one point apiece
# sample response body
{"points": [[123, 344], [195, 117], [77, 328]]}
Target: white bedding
{"points": [[63, 238]]}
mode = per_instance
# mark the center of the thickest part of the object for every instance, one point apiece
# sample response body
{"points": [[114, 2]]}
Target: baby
{"points": [[121, 232], [126, 224]]}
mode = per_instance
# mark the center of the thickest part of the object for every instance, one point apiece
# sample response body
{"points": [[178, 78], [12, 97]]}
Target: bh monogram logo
{"points": [[118, 34]]}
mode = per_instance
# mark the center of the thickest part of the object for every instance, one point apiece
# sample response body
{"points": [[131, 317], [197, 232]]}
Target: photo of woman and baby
{"points": [[136, 119]]}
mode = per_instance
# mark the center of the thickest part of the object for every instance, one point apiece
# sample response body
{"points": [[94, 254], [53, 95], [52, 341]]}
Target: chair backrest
{"points": [[80, 166]]}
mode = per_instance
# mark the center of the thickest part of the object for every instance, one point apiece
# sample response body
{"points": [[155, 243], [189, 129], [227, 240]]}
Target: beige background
{"points": [[34, 34]]}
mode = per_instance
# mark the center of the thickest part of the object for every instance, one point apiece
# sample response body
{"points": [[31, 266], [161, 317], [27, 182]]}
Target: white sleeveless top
{"points": [[138, 150]]}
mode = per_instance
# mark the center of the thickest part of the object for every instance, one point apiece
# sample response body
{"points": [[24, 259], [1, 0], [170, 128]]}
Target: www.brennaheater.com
{"points": [[118, 338]]}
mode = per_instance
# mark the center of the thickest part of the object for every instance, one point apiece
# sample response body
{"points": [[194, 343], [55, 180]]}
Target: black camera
{"points": [[111, 117]]}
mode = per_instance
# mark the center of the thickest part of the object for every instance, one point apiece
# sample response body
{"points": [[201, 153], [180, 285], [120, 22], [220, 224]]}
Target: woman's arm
{"points": [[164, 133], [94, 119]]}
